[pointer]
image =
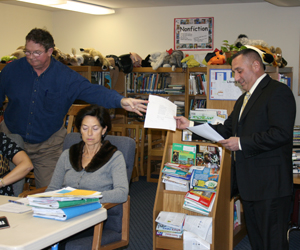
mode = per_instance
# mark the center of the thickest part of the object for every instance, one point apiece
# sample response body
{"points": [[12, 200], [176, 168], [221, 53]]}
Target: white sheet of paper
{"points": [[192, 242], [16, 208], [160, 113], [199, 225], [206, 131]]}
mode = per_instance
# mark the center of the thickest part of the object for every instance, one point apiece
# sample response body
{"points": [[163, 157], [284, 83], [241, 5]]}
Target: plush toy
{"points": [[218, 59], [190, 62], [123, 62], [277, 52], [156, 59], [8, 59], [265, 54], [76, 60], [60, 56], [136, 59], [146, 62], [244, 40], [97, 57], [214, 58], [19, 53], [175, 60]]}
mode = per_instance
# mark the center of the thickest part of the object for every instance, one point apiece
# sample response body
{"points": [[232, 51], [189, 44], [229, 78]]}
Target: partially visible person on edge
{"points": [[261, 139], [10, 151], [93, 163], [40, 91]]}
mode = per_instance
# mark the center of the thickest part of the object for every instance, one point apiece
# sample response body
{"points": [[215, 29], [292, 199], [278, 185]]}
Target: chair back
{"points": [[124, 144], [70, 116], [17, 186]]}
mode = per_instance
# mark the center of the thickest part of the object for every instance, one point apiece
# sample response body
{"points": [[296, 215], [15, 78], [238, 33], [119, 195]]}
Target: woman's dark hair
{"points": [[99, 112], [42, 37]]}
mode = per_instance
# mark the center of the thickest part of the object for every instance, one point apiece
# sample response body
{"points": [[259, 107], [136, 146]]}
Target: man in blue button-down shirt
{"points": [[40, 91]]}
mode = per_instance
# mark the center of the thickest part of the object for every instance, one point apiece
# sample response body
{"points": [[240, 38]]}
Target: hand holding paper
{"points": [[207, 132], [160, 113]]}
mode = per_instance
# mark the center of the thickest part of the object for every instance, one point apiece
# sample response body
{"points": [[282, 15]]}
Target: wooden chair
{"points": [[156, 143], [70, 117], [118, 215]]}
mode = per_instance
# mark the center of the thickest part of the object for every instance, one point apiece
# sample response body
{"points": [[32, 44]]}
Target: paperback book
{"points": [[183, 154]]}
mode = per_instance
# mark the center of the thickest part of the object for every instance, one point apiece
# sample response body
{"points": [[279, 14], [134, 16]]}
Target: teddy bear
{"points": [[136, 59], [244, 40], [93, 57], [189, 62], [277, 52], [7, 59], [19, 53]]}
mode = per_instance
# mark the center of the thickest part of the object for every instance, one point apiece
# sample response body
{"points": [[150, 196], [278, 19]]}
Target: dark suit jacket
{"points": [[263, 167]]}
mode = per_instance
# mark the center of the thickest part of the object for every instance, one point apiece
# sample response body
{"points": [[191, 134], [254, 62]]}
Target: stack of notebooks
{"points": [[64, 204]]}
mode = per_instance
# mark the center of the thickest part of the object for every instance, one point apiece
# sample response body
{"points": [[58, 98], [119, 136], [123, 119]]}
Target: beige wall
{"points": [[147, 30]]}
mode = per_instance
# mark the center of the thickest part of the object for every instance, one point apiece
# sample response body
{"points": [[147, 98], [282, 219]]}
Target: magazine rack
{"points": [[223, 235]]}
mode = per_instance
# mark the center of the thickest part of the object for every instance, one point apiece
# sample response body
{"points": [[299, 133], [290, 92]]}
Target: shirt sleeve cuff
{"points": [[240, 147]]}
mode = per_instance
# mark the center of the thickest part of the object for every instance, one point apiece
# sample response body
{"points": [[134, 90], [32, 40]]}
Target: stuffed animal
{"points": [[8, 59], [123, 62], [136, 59], [265, 54], [214, 58], [146, 62], [99, 59], [76, 60], [19, 53], [218, 59], [175, 60], [244, 40], [190, 62], [60, 56], [277, 52], [156, 59]]}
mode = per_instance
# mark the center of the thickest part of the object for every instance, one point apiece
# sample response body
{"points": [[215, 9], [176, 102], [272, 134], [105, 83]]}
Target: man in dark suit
{"points": [[260, 136]]}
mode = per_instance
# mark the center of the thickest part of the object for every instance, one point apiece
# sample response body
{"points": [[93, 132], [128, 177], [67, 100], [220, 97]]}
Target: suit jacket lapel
{"points": [[255, 95]]}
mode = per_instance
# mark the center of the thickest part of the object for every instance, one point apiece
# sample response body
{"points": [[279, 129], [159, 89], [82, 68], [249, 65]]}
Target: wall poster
{"points": [[222, 85], [194, 33]]}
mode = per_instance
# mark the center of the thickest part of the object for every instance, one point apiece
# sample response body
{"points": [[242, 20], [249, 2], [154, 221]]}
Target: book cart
{"points": [[223, 236]]}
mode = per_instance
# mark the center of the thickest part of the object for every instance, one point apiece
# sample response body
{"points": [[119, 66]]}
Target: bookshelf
{"points": [[223, 235]]}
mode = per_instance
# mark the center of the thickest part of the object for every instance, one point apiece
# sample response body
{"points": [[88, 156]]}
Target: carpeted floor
{"points": [[142, 195]]}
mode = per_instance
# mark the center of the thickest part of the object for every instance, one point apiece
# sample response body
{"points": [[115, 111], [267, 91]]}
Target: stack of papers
{"points": [[64, 204], [170, 224]]}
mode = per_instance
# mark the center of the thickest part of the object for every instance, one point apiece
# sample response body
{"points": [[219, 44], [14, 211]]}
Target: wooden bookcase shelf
{"points": [[223, 235]]}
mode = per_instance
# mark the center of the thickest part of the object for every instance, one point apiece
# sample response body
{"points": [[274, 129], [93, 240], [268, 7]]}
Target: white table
{"points": [[29, 233]]}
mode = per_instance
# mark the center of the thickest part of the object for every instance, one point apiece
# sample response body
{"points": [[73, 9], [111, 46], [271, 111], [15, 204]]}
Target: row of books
{"points": [[284, 79], [196, 230], [296, 135], [197, 84], [64, 204], [197, 103], [102, 78], [152, 83]]}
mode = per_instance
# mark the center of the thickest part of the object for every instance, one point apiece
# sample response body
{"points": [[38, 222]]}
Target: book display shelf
{"points": [[223, 235]]}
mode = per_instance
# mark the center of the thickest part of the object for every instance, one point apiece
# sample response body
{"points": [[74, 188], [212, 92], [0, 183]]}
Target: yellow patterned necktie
{"points": [[246, 98]]}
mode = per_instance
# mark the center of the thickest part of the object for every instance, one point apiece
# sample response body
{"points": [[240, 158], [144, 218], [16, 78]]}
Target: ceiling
{"points": [[121, 4]]}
